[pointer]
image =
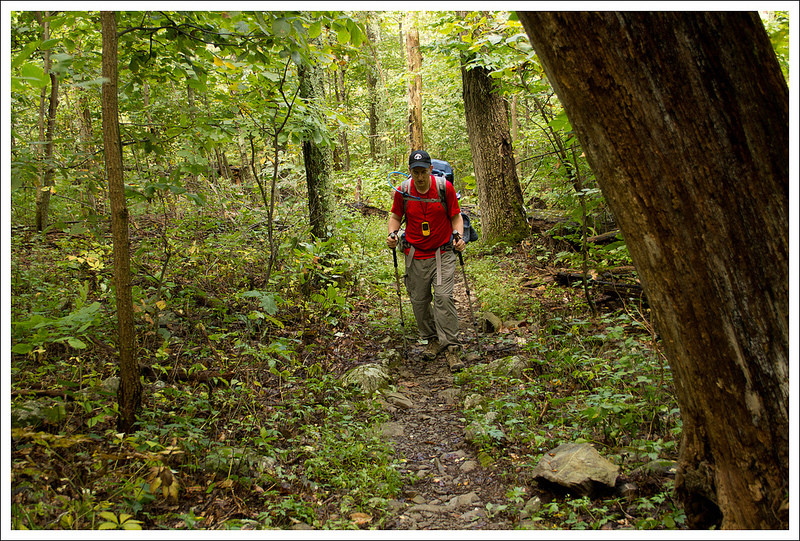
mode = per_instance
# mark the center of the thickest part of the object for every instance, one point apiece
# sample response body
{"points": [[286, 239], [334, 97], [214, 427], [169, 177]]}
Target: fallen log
{"points": [[614, 289], [207, 377], [368, 210], [180, 374], [54, 393], [604, 238]]}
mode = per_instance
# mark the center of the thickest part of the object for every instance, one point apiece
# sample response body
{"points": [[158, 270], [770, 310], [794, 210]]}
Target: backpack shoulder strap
{"points": [[404, 191], [441, 186]]}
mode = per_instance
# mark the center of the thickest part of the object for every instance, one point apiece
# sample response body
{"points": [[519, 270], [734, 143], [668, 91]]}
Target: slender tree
{"points": [[372, 89], [130, 386], [684, 119], [46, 137], [86, 140], [343, 148]]}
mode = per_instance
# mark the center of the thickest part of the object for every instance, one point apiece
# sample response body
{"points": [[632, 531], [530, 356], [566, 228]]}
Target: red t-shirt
{"points": [[434, 213]]}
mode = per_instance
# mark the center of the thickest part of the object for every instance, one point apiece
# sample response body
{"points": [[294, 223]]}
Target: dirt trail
{"points": [[449, 488]]}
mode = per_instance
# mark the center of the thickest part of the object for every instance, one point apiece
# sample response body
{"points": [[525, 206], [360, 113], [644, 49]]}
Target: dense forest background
{"points": [[258, 289]]}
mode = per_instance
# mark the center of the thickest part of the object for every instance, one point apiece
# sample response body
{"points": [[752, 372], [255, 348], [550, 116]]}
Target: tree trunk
{"points": [[244, 179], [46, 139], [499, 192], [515, 141], [317, 158], [84, 116], [415, 139], [130, 388], [684, 118], [372, 92], [381, 116], [341, 100]]}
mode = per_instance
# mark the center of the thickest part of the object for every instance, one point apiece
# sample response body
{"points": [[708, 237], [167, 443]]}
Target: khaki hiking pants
{"points": [[438, 319]]}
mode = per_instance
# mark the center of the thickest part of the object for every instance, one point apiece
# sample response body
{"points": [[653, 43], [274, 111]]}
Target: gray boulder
{"points": [[369, 377], [239, 461], [489, 323], [35, 413], [576, 468]]}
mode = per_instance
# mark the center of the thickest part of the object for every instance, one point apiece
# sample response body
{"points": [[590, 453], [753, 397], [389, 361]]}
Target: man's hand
{"points": [[391, 240], [458, 242]]}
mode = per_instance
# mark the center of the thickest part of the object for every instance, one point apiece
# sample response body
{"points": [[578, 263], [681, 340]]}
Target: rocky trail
{"points": [[449, 487]]}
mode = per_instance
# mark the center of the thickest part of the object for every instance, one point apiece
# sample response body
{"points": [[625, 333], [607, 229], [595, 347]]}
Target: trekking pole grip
{"points": [[456, 237], [393, 235]]}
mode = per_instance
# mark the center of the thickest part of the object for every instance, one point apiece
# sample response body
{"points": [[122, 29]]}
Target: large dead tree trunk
{"points": [[415, 139], [684, 118]]}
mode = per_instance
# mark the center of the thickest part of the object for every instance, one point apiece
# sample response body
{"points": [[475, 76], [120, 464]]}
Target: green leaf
{"points": [[315, 30], [48, 44], [296, 58], [342, 35], [23, 349], [199, 199], [35, 75], [281, 27], [494, 39], [560, 122], [93, 82], [356, 36], [75, 343], [23, 55]]}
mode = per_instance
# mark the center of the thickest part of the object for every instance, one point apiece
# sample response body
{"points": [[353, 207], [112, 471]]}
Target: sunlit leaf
{"points": [[109, 516], [315, 30], [34, 75], [23, 55], [75, 343], [342, 35]]}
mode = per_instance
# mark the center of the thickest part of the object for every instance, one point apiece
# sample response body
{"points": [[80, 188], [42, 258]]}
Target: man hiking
{"points": [[432, 232]]}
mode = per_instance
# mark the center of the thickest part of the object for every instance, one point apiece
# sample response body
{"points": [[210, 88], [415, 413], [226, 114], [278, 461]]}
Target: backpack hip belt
{"points": [[447, 247]]}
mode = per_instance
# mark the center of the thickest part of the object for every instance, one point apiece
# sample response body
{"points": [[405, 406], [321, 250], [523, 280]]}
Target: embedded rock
{"points": [[576, 468]]}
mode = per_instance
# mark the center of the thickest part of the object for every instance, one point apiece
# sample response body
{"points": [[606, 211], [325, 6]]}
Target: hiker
{"points": [[430, 237]]}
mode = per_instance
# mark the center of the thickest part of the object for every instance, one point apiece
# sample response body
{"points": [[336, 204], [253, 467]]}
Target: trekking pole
{"points": [[469, 299], [399, 298]]}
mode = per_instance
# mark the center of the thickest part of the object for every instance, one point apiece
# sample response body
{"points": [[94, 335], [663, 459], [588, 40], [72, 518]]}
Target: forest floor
{"points": [[72, 470]]}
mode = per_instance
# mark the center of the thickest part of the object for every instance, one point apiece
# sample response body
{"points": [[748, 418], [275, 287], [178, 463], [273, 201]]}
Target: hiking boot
{"points": [[453, 357], [431, 350]]}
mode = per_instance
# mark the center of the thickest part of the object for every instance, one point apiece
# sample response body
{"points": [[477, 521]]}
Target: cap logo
{"points": [[418, 156]]}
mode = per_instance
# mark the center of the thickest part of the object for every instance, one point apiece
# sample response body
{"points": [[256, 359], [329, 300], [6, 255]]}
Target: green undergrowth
{"points": [[585, 380], [245, 423]]}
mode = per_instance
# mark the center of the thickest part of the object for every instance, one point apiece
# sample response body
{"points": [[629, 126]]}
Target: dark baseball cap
{"points": [[419, 158]]}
